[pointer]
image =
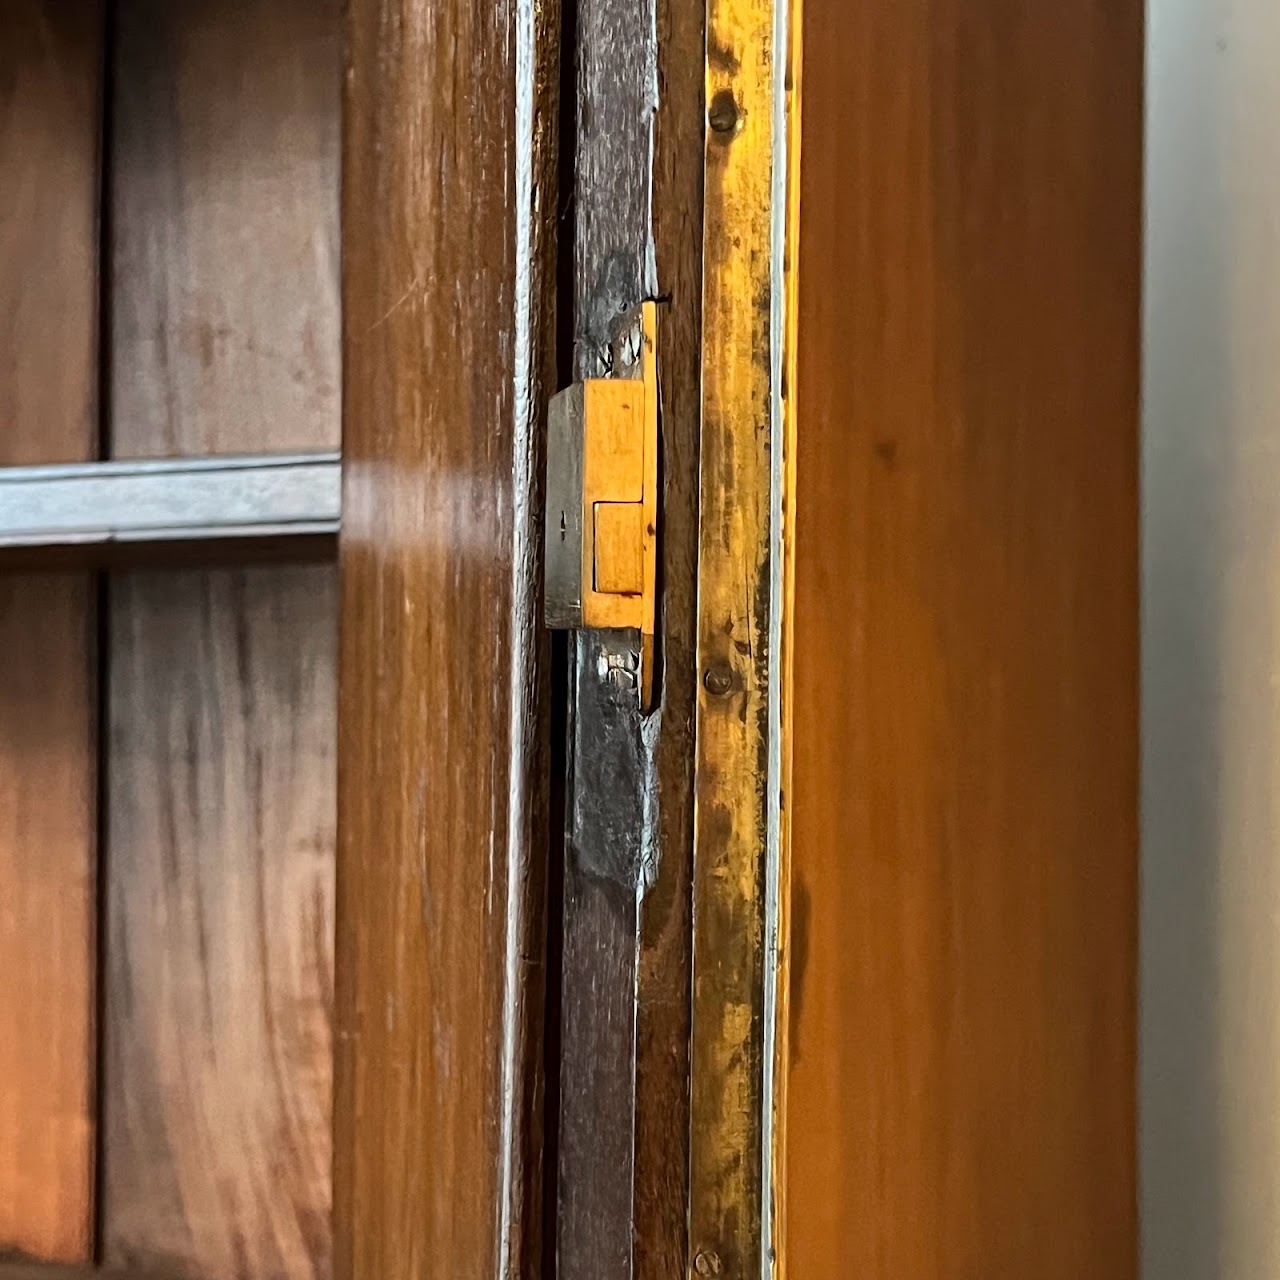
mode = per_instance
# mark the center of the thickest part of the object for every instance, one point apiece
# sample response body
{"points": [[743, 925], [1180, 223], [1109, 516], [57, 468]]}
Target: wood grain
{"points": [[961, 1092], [224, 330], [636, 210], [735, 650], [224, 325], [220, 922], [17, 1270], [50, 78], [47, 921], [448, 223], [50, 85]]}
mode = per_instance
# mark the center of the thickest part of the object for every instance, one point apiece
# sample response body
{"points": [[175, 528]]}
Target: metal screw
{"points": [[718, 679], [621, 679], [707, 1263], [723, 112], [619, 668]]}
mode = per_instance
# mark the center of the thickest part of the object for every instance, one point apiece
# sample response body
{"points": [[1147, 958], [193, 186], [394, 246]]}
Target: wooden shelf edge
{"points": [[171, 511]]}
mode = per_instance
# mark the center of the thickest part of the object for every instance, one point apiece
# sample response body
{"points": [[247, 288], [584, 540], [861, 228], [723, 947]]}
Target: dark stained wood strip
{"points": [[636, 204], [961, 1093], [207, 553], [664, 963], [50, 82], [219, 996], [448, 225]]}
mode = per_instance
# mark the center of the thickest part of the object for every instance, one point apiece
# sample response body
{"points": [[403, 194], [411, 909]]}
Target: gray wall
{"points": [[1210, 1082]]}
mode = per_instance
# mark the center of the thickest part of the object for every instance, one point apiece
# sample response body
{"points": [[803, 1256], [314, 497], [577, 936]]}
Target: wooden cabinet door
{"points": [[959, 1054], [824, 962], [839, 944]]}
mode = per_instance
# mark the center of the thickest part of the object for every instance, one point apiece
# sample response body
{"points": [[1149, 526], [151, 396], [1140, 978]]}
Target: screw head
{"points": [[718, 679], [620, 678], [707, 1263], [722, 114]]}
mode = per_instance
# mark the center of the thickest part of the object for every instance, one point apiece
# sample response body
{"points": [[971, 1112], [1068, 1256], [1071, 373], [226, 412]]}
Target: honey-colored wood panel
{"points": [[448, 212], [219, 918], [224, 330], [50, 78], [961, 1091]]}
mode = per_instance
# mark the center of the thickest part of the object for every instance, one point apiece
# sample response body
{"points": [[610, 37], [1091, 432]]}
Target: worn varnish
{"points": [[219, 922], [50, 78], [448, 214], [961, 1094], [635, 204], [735, 647], [223, 338]]}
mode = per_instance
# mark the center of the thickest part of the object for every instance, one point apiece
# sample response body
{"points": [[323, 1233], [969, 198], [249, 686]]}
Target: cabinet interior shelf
{"points": [[171, 510]]}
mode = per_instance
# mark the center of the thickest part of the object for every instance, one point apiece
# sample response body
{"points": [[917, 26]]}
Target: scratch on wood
{"points": [[413, 286]]}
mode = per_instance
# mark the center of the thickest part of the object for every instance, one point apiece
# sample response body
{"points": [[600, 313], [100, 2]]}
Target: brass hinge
{"points": [[602, 496]]}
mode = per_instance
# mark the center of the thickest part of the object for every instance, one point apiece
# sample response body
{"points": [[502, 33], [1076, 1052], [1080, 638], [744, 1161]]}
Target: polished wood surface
{"points": [[223, 216], [605, 246], [219, 922], [443, 690], [634, 206], [961, 1092], [50, 60], [224, 324]]}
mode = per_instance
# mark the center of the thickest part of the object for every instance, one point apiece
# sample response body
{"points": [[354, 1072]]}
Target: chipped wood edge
{"points": [[742, 751]]}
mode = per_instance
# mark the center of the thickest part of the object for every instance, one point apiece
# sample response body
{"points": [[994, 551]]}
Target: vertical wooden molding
{"points": [[635, 204], [737, 680], [449, 204], [50, 88]]}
